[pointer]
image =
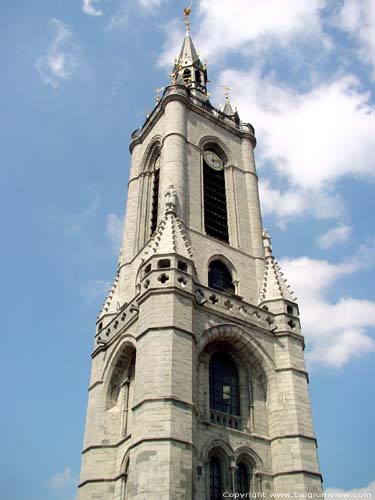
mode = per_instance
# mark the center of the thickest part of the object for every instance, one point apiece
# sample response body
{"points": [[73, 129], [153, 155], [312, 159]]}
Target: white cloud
{"points": [[150, 4], [357, 17], [295, 202], [336, 331], [88, 8], [93, 289], [223, 28], [312, 139], [366, 492], [62, 479], [62, 57], [78, 220], [114, 230], [120, 18], [335, 235]]}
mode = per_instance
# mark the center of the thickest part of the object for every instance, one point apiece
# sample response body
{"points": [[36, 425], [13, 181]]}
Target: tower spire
{"points": [[188, 69]]}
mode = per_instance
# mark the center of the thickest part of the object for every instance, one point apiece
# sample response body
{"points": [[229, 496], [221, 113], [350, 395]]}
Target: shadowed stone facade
{"points": [[153, 431]]}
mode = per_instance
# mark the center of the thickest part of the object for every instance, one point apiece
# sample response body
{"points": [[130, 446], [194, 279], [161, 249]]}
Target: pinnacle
{"points": [[274, 285]]}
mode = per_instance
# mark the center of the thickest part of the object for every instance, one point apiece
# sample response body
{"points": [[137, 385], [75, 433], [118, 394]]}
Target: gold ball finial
{"points": [[187, 11]]}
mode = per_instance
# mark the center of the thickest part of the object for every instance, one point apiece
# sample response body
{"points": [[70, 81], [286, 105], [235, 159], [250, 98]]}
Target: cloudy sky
{"points": [[77, 78]]}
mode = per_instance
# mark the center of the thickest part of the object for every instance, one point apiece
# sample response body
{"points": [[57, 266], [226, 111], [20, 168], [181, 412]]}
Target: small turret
{"points": [[275, 293]]}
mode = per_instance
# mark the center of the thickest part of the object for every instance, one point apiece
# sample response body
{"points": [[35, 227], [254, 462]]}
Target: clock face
{"points": [[213, 160]]}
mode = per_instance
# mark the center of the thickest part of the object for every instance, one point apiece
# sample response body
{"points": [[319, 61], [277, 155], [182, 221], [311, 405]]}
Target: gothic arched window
{"points": [[155, 195], [219, 277], [215, 201], [216, 479], [224, 384], [244, 473]]}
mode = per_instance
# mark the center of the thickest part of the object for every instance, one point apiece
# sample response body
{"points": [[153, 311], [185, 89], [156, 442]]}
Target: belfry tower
{"points": [[198, 383]]}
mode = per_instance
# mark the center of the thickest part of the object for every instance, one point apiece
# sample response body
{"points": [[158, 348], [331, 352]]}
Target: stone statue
{"points": [[170, 199]]}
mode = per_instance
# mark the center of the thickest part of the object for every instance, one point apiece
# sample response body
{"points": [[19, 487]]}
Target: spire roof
{"points": [[169, 236], [274, 284], [188, 69], [188, 54], [111, 301]]}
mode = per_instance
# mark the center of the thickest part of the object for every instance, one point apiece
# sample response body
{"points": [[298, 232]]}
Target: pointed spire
{"points": [[111, 304], [274, 284], [228, 110], [170, 236], [188, 69]]}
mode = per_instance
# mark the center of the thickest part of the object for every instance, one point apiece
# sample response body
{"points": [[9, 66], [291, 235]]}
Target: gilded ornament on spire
{"points": [[187, 11], [227, 89]]}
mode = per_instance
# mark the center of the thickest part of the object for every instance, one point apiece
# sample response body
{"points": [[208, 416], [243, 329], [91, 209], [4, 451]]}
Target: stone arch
{"points": [[221, 450], [120, 369], [229, 265], [119, 346], [226, 261], [148, 186], [219, 444], [256, 377], [152, 149], [244, 452], [218, 146], [124, 473], [245, 345]]}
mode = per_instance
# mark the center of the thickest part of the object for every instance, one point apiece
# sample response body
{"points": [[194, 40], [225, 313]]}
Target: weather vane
{"points": [[227, 89], [187, 11]]}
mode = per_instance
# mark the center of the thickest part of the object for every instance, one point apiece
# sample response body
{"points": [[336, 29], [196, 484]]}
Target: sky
{"points": [[77, 78]]}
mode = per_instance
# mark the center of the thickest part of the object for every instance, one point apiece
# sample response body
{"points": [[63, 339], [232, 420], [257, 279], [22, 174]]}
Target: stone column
{"points": [[174, 156], [256, 228]]}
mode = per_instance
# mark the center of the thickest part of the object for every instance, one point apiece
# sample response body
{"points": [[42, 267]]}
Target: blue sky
{"points": [[78, 77]]}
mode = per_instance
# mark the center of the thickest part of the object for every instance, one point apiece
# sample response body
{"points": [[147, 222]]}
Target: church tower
{"points": [[198, 383]]}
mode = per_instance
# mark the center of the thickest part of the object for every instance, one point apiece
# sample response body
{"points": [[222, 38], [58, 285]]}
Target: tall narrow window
{"points": [[155, 196], [224, 385], [219, 277], [216, 482], [125, 481], [215, 202], [243, 478]]}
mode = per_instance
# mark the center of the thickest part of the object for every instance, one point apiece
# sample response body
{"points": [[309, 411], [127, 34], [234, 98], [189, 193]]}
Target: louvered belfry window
{"points": [[155, 197], [215, 203]]}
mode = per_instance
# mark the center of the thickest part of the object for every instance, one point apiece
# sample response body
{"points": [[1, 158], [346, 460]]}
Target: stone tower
{"points": [[198, 383]]}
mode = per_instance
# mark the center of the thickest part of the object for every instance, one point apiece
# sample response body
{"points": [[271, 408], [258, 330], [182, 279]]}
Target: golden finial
{"points": [[187, 11], [226, 88]]}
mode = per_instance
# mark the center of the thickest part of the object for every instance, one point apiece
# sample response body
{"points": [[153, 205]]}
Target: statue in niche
{"points": [[170, 199]]}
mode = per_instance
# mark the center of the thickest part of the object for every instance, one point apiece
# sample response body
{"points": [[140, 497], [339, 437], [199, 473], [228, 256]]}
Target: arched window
{"points": [[216, 479], [155, 195], [219, 277], [186, 75], [224, 384], [244, 473], [215, 201]]}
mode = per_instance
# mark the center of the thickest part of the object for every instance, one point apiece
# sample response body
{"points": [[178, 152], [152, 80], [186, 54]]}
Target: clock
{"points": [[213, 160]]}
